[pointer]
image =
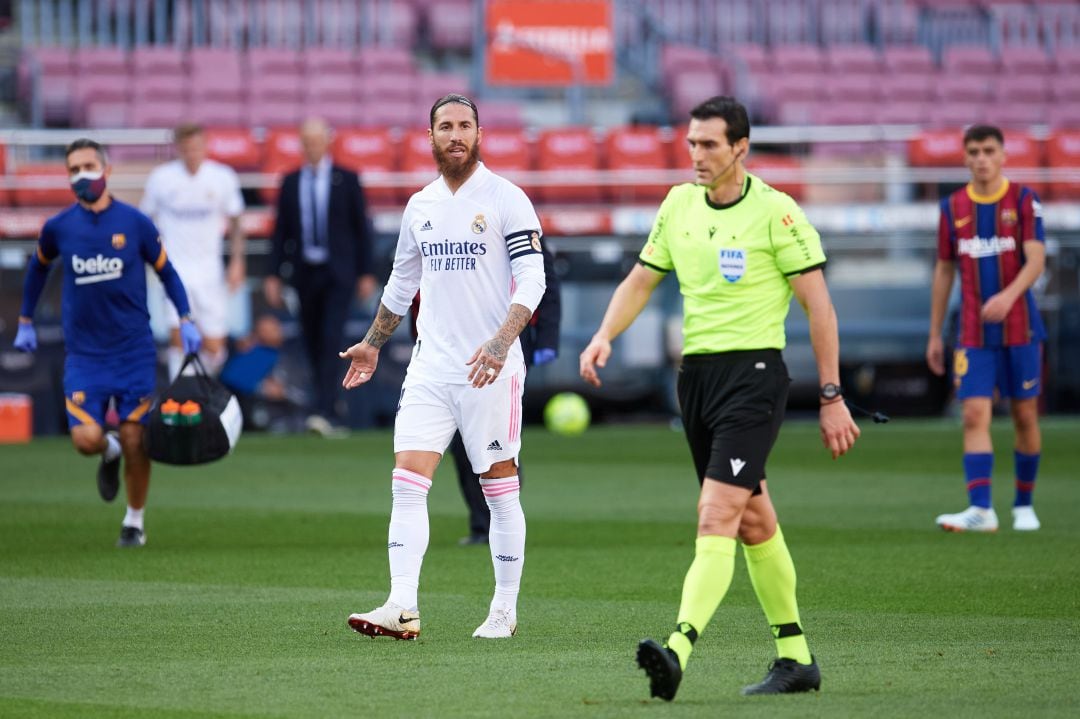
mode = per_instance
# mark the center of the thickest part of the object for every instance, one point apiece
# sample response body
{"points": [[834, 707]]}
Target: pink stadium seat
{"points": [[1067, 61], [367, 151], [161, 60], [1065, 88], [225, 86], [853, 88], [272, 61], [500, 115], [853, 59], [794, 87], [846, 113], [402, 114], [907, 87], [221, 113], [960, 89], [450, 25], [378, 58], [403, 23], [971, 59], [327, 61], [842, 21], [795, 112], [387, 86], [52, 60], [902, 113], [329, 86], [150, 88], [1064, 114], [101, 61], [274, 113], [908, 59], [1025, 59], [956, 114], [565, 150], [1015, 115], [797, 58], [690, 88], [234, 146], [101, 88], [106, 114], [265, 86], [162, 113], [430, 86], [204, 61], [637, 148], [57, 99], [749, 56], [1021, 89], [337, 113]]}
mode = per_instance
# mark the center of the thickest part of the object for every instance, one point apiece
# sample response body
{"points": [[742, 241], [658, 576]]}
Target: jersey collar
{"points": [[988, 199], [475, 180], [745, 192]]}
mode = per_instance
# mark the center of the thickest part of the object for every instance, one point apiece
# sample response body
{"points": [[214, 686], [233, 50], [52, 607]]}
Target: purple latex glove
{"points": [[26, 338], [190, 338], [543, 355]]}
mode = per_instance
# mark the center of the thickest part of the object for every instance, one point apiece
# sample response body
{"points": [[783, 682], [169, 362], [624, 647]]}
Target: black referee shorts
{"points": [[732, 408]]}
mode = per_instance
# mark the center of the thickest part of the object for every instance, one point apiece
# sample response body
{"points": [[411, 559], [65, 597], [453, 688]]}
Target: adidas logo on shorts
{"points": [[495, 446]]}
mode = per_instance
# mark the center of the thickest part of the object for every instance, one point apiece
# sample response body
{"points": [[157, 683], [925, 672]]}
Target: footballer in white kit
{"points": [[191, 199], [470, 243]]}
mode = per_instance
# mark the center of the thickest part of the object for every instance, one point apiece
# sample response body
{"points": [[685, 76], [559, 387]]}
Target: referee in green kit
{"points": [[740, 249]]}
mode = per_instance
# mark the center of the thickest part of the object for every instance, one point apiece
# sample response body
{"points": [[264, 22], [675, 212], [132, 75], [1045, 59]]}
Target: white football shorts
{"points": [[209, 302], [489, 419]]}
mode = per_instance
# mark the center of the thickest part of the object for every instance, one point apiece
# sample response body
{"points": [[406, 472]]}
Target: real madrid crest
{"points": [[479, 225], [118, 241], [534, 240]]}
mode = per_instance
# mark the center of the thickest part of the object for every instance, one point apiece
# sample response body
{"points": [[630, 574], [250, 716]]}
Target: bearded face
{"points": [[457, 158], [455, 141]]}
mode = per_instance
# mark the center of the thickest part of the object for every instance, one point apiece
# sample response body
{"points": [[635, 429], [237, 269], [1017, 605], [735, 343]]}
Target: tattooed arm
{"points": [[489, 359], [364, 355]]}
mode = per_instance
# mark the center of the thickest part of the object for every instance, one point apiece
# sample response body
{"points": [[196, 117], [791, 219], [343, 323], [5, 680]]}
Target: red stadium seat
{"points": [[937, 148], [506, 151], [369, 151], [765, 166], [281, 154], [564, 151], [638, 148], [1023, 152], [415, 149], [234, 146], [5, 194], [1063, 150], [48, 186]]}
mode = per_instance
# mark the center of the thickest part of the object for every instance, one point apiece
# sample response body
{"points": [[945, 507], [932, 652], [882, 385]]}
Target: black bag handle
{"points": [[201, 375]]}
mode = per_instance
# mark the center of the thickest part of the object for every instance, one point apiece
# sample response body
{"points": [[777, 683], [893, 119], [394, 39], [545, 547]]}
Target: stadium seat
{"points": [[215, 74], [1025, 60], [937, 148], [271, 87], [855, 59], [101, 62], [318, 61], [506, 151], [42, 185], [430, 86], [567, 150], [962, 89], [399, 114], [106, 114], [797, 58], [387, 86], [690, 88], [366, 151], [272, 61], [403, 24], [501, 115], [233, 146], [795, 112], [955, 114], [769, 167], [1021, 89], [846, 113], [902, 112], [5, 194], [150, 88], [159, 113], [159, 60], [336, 113], [1067, 61], [748, 57], [968, 59], [381, 58], [1023, 152], [450, 25], [907, 88], [638, 148], [842, 21], [908, 60], [1063, 151], [274, 113], [852, 88], [221, 113], [328, 86], [1065, 89], [281, 154], [1063, 114], [416, 158]]}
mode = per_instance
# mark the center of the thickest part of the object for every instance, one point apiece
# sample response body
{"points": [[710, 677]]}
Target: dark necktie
{"points": [[317, 239]]}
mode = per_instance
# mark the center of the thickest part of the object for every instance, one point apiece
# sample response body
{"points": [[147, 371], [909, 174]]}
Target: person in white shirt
{"points": [[470, 243], [191, 199]]}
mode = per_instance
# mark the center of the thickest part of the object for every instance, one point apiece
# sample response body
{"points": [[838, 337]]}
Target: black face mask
{"points": [[88, 186]]}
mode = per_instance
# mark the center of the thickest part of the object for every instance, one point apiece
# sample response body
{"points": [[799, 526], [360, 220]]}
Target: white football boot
{"points": [[389, 620], [1024, 519], [972, 519], [500, 624]]}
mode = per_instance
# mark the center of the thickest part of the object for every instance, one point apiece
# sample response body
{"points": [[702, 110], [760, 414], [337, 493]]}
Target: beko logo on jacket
{"points": [[96, 269]]}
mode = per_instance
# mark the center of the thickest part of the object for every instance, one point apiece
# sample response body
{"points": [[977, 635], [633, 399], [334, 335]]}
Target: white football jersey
{"points": [[190, 212], [471, 255]]}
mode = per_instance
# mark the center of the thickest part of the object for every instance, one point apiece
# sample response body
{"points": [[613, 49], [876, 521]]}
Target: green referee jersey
{"points": [[733, 263]]}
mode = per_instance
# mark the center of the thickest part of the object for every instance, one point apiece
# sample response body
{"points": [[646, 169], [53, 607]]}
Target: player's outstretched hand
{"points": [[26, 337], [935, 355], [363, 359], [190, 337], [595, 355], [838, 429]]}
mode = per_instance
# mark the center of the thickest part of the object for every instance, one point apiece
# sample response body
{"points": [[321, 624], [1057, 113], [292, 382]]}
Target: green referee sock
{"points": [[705, 585], [773, 575]]}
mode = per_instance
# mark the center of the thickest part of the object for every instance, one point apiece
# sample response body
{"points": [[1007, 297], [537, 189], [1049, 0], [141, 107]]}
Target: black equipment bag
{"points": [[195, 420]]}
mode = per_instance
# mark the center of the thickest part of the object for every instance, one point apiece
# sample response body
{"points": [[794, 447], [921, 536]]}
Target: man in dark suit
{"points": [[322, 246]]}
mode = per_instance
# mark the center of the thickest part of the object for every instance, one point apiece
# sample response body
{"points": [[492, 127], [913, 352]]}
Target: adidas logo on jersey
{"points": [[426, 226], [96, 269], [495, 446]]}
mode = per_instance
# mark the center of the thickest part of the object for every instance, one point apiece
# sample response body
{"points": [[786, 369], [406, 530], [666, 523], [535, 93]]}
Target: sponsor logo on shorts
{"points": [[732, 264], [736, 466], [495, 446], [1029, 383]]}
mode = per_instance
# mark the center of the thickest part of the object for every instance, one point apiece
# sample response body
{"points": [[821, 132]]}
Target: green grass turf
{"points": [[237, 605]]}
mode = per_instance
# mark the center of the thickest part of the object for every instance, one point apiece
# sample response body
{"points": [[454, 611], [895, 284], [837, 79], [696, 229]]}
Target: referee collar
{"points": [[744, 193]]}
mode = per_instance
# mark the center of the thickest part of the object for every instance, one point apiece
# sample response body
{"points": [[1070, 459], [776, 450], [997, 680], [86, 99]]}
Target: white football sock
{"points": [[408, 536], [133, 518], [506, 538], [112, 447]]}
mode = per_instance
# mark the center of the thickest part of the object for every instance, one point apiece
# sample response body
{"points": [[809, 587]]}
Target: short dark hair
{"points": [[185, 130], [83, 143], [730, 111], [978, 133], [459, 99]]}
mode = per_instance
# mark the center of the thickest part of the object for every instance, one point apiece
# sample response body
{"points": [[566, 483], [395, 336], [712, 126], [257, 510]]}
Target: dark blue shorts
{"points": [[1014, 371], [90, 382]]}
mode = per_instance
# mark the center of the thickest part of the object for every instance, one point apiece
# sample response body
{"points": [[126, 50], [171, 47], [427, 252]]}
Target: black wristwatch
{"points": [[830, 391]]}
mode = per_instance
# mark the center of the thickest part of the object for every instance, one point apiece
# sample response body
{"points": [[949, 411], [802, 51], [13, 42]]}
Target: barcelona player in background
{"points": [[103, 245], [992, 232]]}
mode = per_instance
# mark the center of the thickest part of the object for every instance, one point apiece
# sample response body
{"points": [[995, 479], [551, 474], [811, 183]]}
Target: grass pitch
{"points": [[237, 605]]}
